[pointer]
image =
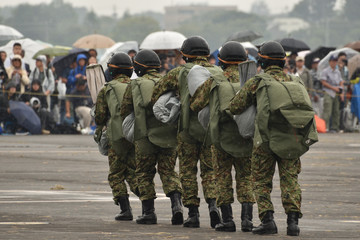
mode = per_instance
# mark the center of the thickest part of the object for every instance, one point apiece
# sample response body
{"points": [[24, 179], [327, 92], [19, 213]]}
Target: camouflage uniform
{"points": [[190, 152], [223, 161], [121, 168], [146, 161], [263, 160]]}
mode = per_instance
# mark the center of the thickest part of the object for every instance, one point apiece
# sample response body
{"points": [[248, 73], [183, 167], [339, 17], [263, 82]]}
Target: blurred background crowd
{"points": [[44, 83]]}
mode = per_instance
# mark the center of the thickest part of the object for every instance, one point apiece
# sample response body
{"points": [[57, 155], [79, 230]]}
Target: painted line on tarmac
{"points": [[350, 221], [23, 223], [75, 201]]}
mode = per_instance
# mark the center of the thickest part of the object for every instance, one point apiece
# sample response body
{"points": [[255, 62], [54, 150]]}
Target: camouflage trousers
{"points": [[263, 164], [223, 163], [165, 158], [189, 155], [121, 169]]}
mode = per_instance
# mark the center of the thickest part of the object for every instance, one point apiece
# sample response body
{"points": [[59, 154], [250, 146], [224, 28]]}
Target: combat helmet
{"points": [[271, 53], [195, 46], [146, 59], [232, 53], [120, 63]]}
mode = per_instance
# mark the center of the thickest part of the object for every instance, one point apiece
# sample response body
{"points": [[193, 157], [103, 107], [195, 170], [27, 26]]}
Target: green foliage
{"points": [[216, 27]]}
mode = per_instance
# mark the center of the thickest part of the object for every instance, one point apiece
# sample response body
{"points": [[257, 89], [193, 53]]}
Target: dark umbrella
{"points": [[63, 62], [25, 116], [293, 45], [244, 36], [320, 52]]}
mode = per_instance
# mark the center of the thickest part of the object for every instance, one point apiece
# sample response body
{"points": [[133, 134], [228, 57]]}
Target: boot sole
{"points": [[192, 226], [177, 219], [123, 219], [293, 234], [225, 229], [214, 219]]}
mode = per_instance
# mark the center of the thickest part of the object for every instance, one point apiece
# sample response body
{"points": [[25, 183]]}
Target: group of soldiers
{"points": [[218, 147]]}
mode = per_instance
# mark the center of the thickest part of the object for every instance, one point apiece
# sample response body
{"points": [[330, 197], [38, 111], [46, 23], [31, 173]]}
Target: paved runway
{"points": [[55, 187]]}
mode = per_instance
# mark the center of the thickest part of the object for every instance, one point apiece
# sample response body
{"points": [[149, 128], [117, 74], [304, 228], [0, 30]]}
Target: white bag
{"points": [[128, 127], [167, 108], [61, 87]]}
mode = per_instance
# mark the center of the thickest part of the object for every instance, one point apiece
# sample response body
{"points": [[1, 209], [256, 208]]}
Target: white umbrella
{"points": [[30, 46], [8, 33], [118, 47], [163, 40], [325, 61]]}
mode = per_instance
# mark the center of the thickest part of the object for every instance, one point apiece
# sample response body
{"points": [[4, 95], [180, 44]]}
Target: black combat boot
{"points": [[267, 225], [214, 212], [227, 224], [193, 220], [292, 222], [176, 207], [149, 216], [125, 214], [246, 216]]}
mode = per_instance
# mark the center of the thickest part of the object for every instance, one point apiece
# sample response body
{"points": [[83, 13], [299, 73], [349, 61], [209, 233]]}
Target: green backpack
{"points": [[190, 129], [114, 94], [146, 125], [223, 129], [285, 117]]}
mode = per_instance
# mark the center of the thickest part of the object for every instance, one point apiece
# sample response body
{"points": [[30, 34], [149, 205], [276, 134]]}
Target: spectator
{"points": [[332, 83], [27, 66], [17, 74], [171, 60], [37, 100], [212, 60], [318, 97], [286, 69], [132, 53], [342, 66], [81, 103], [93, 53], [3, 75], [3, 56], [78, 72], [5, 113], [45, 76], [16, 51], [304, 74], [92, 60]]}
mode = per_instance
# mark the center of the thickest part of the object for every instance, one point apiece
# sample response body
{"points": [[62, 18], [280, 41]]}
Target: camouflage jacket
{"points": [[127, 105], [169, 82], [247, 94], [201, 97]]}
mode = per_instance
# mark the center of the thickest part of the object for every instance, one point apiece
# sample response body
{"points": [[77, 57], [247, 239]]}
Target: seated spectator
{"points": [[81, 103], [36, 99], [45, 76], [6, 118], [17, 74]]}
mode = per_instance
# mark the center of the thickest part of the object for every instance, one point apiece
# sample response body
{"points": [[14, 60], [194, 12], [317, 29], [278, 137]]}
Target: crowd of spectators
{"points": [[63, 103]]}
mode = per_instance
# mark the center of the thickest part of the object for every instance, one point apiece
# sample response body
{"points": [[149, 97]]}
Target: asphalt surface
{"points": [[55, 187]]}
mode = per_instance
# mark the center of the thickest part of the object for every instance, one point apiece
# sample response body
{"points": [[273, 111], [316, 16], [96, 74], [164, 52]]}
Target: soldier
{"points": [[276, 140], [191, 134], [155, 142], [121, 152], [231, 54]]}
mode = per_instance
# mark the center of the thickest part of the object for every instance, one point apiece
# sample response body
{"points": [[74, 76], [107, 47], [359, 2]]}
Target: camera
{"points": [[35, 102]]}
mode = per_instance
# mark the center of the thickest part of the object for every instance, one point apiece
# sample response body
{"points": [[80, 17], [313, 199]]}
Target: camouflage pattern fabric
{"points": [[189, 154], [263, 161], [119, 169], [263, 164], [223, 163], [165, 158]]}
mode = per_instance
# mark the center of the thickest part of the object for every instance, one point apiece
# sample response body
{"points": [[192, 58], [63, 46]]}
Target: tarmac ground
{"points": [[55, 187]]}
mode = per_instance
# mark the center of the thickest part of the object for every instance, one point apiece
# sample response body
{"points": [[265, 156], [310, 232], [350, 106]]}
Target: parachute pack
{"points": [[285, 117]]}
